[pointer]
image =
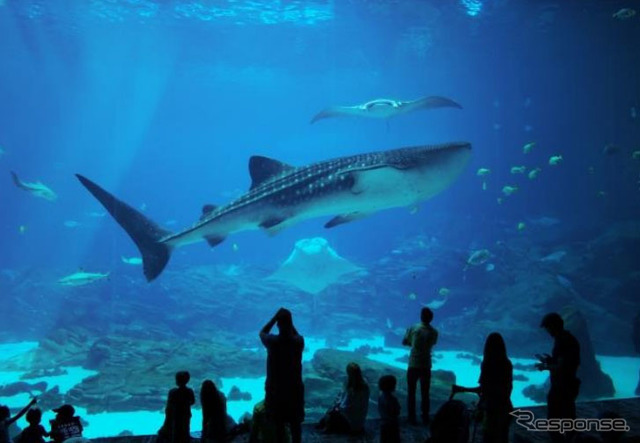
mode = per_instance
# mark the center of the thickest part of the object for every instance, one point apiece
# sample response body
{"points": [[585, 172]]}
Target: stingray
{"points": [[385, 108], [314, 265]]}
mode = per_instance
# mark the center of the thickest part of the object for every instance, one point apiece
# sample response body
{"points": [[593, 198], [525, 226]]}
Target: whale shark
{"points": [[347, 188], [385, 108], [36, 188]]}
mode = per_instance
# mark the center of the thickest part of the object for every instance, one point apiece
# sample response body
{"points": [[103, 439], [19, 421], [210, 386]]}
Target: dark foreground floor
{"points": [[628, 409]]}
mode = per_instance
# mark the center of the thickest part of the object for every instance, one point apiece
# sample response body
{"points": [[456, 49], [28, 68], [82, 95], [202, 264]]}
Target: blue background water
{"points": [[164, 102]]}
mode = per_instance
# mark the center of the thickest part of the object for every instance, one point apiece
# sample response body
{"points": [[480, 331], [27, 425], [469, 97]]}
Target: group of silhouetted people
{"points": [[278, 418], [65, 427]]}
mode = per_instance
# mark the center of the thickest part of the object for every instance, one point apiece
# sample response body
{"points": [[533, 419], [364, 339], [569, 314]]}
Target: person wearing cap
{"points": [[66, 425], [562, 365]]}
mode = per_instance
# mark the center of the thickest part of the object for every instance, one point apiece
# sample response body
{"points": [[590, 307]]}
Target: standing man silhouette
{"points": [[421, 337], [284, 390]]}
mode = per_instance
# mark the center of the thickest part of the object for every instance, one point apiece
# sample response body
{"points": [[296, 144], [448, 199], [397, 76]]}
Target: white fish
{"points": [[134, 261], [82, 278], [554, 256]]}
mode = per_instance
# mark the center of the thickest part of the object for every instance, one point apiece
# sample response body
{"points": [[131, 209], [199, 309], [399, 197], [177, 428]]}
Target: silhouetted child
{"points": [[389, 410], [7, 420], [35, 432], [177, 420], [65, 425]]}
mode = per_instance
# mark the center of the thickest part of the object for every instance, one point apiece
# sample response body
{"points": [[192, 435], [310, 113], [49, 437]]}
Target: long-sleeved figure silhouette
{"points": [[284, 390], [562, 365]]}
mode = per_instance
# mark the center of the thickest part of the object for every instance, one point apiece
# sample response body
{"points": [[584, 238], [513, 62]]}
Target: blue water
{"points": [[163, 102]]}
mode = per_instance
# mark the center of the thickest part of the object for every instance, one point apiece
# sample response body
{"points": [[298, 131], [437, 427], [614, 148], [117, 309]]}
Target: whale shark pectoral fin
{"points": [[345, 218], [214, 240], [274, 225], [262, 169]]}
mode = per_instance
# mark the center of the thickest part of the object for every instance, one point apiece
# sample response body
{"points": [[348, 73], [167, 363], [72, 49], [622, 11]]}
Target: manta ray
{"points": [[385, 108], [37, 188], [313, 266], [346, 188]]}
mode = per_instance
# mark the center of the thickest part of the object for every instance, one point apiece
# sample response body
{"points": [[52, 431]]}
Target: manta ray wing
{"points": [[340, 111], [431, 102]]}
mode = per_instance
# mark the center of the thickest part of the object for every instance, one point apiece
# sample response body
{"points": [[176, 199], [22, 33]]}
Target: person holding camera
{"points": [[284, 389], [562, 365], [495, 385]]}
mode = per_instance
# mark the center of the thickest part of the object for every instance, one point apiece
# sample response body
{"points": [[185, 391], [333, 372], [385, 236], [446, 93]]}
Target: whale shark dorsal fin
{"points": [[262, 169], [207, 209]]}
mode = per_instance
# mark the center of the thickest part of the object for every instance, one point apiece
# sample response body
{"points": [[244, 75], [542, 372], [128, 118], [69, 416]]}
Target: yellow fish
{"points": [[635, 155], [518, 169], [521, 226], [483, 171], [509, 190]]}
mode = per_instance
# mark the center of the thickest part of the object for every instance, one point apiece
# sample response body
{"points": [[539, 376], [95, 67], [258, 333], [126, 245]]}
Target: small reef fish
{"points": [[490, 267], [533, 174], [71, 224], [518, 169], [610, 149], [38, 189], [235, 247], [554, 257], [635, 155], [133, 261], [483, 172], [82, 278], [444, 292], [22, 229], [385, 108], [412, 296], [509, 190], [624, 13], [521, 226], [528, 147], [2, 151], [555, 160], [478, 257], [96, 214]]}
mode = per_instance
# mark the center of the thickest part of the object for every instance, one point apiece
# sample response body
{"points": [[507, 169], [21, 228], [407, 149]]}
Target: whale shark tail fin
{"points": [[144, 232]]}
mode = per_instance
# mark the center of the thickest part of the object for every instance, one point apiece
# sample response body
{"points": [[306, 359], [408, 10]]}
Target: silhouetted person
{"points": [[35, 432], [214, 412], [349, 412], [177, 420], [264, 430], [421, 337], [6, 420], [496, 383], [562, 365], [389, 410], [66, 424], [284, 390], [635, 337]]}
